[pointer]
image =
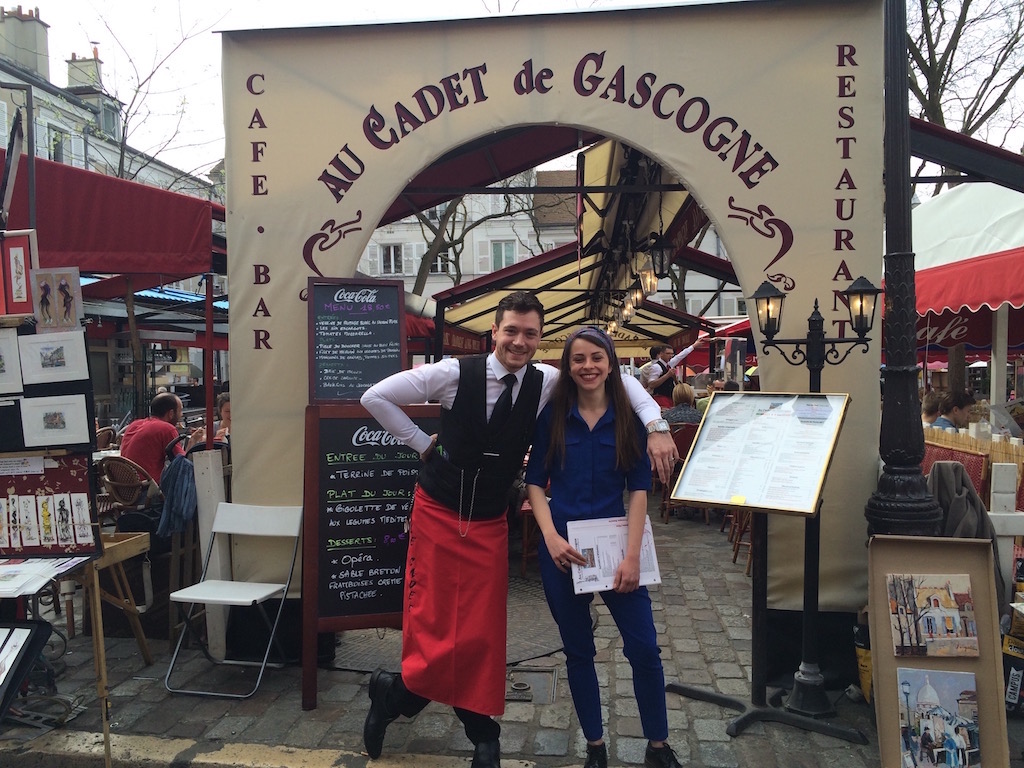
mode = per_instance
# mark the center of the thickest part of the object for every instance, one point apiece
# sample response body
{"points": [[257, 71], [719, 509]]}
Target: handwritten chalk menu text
{"points": [[356, 335], [363, 497]]}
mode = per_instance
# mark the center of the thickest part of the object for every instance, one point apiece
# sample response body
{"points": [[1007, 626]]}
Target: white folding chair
{"points": [[247, 520]]}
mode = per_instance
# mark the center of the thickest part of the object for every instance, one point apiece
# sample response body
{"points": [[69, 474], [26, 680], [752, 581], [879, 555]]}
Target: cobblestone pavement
{"points": [[702, 611]]}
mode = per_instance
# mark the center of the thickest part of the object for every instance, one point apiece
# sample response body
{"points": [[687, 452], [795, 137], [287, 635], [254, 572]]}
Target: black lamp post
{"points": [[808, 696]]}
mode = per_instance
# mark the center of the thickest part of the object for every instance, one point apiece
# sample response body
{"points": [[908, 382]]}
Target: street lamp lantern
{"points": [[905, 687], [648, 277], [661, 251], [861, 299], [769, 300]]}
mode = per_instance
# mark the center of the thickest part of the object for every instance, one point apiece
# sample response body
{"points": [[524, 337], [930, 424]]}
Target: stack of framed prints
{"points": [[935, 649]]}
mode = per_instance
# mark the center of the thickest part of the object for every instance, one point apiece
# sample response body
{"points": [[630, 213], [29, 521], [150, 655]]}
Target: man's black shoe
{"points": [[487, 755], [379, 717], [597, 756], [662, 757]]}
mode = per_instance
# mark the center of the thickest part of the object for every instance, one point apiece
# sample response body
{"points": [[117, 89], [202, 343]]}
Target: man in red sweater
{"points": [[145, 441]]}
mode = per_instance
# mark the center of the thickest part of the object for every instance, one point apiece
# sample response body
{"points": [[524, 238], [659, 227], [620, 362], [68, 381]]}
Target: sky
{"points": [[133, 36]]}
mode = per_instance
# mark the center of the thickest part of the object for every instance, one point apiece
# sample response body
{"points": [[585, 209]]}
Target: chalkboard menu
{"points": [[357, 498], [356, 335]]}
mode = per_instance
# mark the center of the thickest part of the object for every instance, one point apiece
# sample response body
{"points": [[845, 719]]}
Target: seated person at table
{"points": [[222, 428], [954, 410], [717, 385], [682, 412], [930, 407], [145, 441]]}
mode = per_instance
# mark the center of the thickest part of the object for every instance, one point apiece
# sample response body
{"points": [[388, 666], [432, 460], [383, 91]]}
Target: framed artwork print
{"points": [[57, 299], [938, 669], [19, 255], [51, 421], [53, 357], [10, 362]]}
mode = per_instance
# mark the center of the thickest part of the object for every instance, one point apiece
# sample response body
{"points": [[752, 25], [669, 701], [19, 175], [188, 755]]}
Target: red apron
{"points": [[455, 621]]}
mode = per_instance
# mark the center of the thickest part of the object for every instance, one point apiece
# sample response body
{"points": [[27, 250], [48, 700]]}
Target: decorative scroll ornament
{"points": [[331, 233], [764, 221]]}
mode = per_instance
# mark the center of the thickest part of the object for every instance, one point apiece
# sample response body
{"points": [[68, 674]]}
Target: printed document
{"points": [[603, 543]]}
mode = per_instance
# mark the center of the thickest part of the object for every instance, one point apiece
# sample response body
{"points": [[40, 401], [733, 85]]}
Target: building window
{"points": [[111, 121], [440, 265], [741, 306], [391, 260], [503, 254], [57, 139]]}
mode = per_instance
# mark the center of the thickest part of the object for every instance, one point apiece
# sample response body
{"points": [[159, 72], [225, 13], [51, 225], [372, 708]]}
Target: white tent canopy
{"points": [[969, 246], [967, 221]]}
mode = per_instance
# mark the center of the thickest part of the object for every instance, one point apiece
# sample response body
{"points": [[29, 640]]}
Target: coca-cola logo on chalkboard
{"points": [[362, 296], [364, 436]]}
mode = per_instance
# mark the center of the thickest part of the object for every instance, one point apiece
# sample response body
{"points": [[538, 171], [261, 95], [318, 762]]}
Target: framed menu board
{"points": [[768, 451], [357, 497], [356, 335]]}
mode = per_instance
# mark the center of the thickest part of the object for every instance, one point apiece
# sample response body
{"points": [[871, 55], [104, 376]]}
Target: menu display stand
{"points": [[767, 453], [357, 496]]}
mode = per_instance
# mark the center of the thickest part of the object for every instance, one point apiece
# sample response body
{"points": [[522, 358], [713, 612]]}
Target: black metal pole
{"points": [[901, 504], [808, 696]]}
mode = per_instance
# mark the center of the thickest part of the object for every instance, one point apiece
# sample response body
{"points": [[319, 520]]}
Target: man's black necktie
{"points": [[503, 407]]}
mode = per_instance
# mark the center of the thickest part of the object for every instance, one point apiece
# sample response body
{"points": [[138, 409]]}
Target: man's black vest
{"points": [[666, 387], [473, 467]]}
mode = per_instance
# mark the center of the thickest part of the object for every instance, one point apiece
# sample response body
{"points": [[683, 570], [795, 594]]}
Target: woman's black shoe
{"points": [[597, 756]]}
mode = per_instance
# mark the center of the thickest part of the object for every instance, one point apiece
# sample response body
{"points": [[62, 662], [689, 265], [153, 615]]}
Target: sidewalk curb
{"points": [[77, 749]]}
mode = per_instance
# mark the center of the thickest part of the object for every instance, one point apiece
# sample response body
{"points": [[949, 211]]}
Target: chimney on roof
{"points": [[24, 40], [83, 71]]}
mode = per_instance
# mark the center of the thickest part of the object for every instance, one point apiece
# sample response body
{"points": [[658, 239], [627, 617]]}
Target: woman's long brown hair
{"points": [[627, 449]]}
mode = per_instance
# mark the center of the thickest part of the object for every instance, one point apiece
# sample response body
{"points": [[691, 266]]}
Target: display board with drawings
{"points": [[356, 335], [763, 450], [46, 439], [357, 496]]}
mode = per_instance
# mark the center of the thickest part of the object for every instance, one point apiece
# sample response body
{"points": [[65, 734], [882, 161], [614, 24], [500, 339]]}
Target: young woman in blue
{"points": [[590, 447]]}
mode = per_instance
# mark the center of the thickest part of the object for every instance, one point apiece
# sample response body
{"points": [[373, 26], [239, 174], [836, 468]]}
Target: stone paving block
{"points": [[709, 730], [557, 715], [548, 741], [718, 756], [630, 751], [626, 707], [229, 728], [518, 712], [725, 669], [629, 726]]}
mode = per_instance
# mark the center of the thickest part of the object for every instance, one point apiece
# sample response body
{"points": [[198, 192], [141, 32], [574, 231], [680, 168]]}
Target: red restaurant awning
{"points": [[108, 225], [983, 281]]}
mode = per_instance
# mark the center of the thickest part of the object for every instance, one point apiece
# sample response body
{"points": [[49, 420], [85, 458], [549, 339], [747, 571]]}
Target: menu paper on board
{"points": [[765, 450], [603, 543]]}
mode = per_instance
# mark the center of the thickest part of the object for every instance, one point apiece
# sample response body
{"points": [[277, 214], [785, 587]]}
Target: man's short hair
{"points": [[951, 400], [521, 302], [162, 404], [657, 349], [930, 403], [731, 386]]}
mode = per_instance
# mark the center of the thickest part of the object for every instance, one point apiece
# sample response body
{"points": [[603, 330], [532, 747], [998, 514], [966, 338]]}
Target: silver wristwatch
{"points": [[658, 425]]}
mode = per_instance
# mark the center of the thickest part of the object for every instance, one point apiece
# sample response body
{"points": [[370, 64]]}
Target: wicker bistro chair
{"points": [[126, 485], [105, 438]]}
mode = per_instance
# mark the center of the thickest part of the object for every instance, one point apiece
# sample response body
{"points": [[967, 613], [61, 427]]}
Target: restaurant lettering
{"points": [[846, 187]]}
